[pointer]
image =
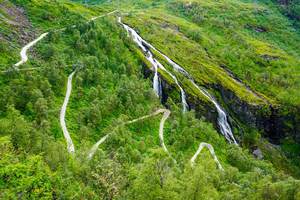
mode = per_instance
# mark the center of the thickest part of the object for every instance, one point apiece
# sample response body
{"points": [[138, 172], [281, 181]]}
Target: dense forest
{"points": [[142, 99]]}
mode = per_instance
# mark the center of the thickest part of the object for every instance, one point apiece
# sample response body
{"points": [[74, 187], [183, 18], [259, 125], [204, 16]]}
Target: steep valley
{"points": [[142, 99]]}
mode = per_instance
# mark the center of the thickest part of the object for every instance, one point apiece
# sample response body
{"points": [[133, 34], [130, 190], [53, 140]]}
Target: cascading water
{"points": [[222, 116], [155, 63], [156, 80], [183, 96], [156, 83]]}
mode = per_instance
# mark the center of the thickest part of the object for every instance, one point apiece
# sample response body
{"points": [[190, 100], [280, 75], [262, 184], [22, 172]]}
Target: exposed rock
{"points": [[188, 5], [18, 22], [273, 121], [258, 154], [242, 84], [203, 109], [258, 29], [269, 57], [165, 25]]}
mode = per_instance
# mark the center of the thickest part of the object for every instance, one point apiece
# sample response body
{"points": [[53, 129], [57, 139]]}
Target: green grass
{"points": [[231, 39], [58, 14], [190, 55]]}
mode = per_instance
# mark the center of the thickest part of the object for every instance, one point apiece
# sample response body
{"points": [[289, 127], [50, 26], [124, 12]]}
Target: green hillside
{"points": [[245, 54]]}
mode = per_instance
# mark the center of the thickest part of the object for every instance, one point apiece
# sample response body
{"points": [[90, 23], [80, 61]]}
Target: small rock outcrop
{"points": [[258, 154]]}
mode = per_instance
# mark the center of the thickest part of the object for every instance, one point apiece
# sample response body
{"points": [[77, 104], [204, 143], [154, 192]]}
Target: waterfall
{"points": [[155, 64], [222, 116], [156, 83], [183, 96], [156, 80]]}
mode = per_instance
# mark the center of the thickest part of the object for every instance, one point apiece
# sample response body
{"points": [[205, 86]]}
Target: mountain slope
{"points": [[110, 87]]}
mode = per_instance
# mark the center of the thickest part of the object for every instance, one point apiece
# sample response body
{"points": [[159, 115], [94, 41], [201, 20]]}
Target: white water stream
{"points": [[155, 63], [222, 116]]}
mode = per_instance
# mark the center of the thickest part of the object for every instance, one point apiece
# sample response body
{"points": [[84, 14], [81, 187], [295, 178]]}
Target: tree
{"points": [[18, 128], [22, 176], [41, 110], [200, 182], [47, 51], [154, 179], [108, 178]]}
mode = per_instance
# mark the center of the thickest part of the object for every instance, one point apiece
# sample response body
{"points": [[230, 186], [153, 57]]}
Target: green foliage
{"points": [[28, 178], [249, 39], [154, 179], [291, 8], [16, 126], [109, 88]]}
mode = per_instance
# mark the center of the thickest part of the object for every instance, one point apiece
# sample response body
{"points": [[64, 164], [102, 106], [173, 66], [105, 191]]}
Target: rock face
{"points": [[203, 109], [18, 23], [273, 121]]}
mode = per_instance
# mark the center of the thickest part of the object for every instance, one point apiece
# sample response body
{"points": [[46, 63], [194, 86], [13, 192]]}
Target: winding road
{"points": [[161, 129], [24, 50], [224, 126], [71, 148], [212, 153], [23, 53], [70, 145], [166, 114]]}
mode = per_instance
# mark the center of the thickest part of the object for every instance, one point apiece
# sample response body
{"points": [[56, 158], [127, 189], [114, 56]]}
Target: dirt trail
{"points": [[225, 128], [71, 148], [166, 114], [24, 50], [212, 153], [94, 18], [23, 53]]}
